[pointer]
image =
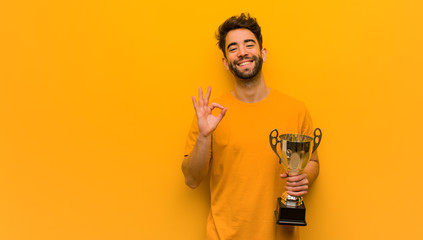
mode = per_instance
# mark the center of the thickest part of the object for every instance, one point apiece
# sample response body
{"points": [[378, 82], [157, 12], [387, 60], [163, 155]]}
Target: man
{"points": [[233, 145]]}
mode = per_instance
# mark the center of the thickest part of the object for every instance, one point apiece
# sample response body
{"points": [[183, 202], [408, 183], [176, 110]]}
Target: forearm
{"points": [[196, 166], [312, 168]]}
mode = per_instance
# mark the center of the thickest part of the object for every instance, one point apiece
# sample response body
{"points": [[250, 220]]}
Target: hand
{"points": [[207, 122], [296, 185]]}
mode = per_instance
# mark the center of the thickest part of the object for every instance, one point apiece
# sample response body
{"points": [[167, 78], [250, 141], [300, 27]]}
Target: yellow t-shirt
{"points": [[244, 172]]}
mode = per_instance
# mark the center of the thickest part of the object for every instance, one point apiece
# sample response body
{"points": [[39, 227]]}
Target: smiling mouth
{"points": [[245, 63]]}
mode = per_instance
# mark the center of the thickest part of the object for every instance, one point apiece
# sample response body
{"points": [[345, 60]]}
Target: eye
{"points": [[232, 49]]}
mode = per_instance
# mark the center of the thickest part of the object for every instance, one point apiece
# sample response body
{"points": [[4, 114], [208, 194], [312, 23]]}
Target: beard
{"points": [[248, 76]]}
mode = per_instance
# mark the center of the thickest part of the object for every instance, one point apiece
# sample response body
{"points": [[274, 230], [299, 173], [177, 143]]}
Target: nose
{"points": [[242, 51]]}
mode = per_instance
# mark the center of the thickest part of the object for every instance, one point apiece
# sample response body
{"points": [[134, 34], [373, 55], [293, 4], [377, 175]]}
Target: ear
{"points": [[225, 63], [264, 54]]}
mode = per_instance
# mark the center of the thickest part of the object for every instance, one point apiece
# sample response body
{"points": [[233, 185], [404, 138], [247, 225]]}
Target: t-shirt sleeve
{"points": [[192, 137], [307, 125]]}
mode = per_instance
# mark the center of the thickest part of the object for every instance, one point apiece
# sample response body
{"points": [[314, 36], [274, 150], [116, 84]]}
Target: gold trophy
{"points": [[296, 150]]}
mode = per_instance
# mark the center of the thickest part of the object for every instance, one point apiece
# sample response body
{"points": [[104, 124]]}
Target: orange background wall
{"points": [[95, 107]]}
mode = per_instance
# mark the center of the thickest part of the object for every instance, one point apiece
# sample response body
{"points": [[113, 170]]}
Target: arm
{"points": [[196, 166], [298, 185]]}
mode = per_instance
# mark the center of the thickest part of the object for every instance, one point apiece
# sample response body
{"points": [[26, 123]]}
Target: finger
{"points": [[297, 194], [297, 189], [284, 175], [221, 114], [194, 102], [297, 178], [200, 97], [215, 105], [298, 183], [207, 97]]}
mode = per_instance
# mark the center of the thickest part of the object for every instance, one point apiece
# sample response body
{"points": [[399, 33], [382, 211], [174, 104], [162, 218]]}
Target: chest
{"points": [[250, 128]]}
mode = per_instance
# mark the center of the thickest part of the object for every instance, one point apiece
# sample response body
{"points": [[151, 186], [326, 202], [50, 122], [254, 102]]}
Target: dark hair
{"points": [[235, 22]]}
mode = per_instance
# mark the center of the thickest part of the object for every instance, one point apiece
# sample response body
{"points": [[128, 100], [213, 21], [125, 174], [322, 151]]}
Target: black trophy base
{"points": [[290, 215]]}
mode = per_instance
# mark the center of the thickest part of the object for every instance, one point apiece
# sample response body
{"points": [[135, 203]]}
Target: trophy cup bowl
{"points": [[295, 153]]}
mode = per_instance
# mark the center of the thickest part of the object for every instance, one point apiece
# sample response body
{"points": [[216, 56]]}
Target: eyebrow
{"points": [[249, 40], [245, 41]]}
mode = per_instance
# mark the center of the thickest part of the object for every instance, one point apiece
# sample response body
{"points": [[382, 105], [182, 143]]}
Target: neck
{"points": [[251, 91]]}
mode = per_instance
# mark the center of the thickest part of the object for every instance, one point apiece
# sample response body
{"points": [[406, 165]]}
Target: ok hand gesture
{"points": [[207, 122]]}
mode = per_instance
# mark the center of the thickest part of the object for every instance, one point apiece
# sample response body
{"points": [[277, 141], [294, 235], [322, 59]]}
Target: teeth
{"points": [[244, 63]]}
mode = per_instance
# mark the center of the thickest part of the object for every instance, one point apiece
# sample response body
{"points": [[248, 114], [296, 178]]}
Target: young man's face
{"points": [[243, 55]]}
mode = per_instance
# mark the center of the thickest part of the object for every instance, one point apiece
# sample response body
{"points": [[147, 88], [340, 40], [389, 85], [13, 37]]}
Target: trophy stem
{"points": [[291, 201]]}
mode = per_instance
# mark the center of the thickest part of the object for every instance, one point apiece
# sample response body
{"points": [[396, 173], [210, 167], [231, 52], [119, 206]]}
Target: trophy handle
{"points": [[318, 137], [274, 142]]}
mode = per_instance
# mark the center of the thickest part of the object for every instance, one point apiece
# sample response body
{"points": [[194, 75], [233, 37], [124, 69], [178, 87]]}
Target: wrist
{"points": [[203, 138]]}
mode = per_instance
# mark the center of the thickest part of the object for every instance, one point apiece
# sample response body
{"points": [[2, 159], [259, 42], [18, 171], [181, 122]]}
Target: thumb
{"points": [[284, 175]]}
